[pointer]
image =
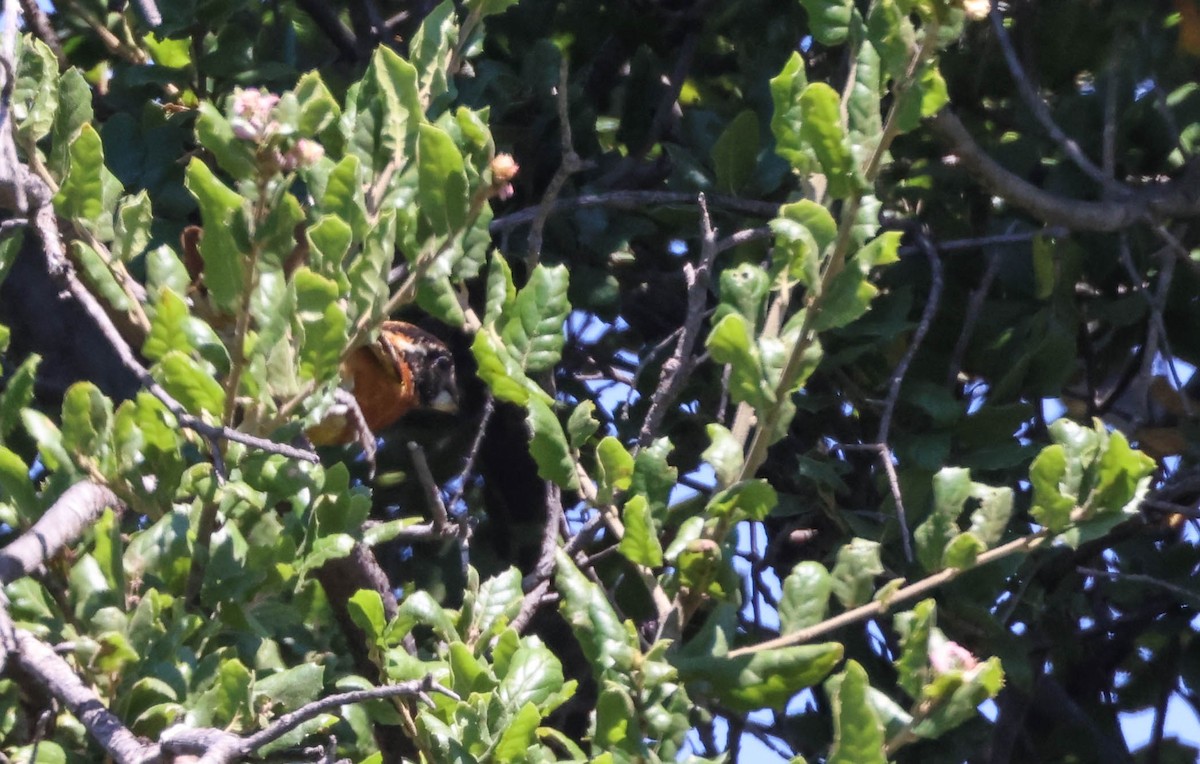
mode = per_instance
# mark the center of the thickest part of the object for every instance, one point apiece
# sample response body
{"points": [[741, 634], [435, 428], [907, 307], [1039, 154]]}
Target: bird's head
{"points": [[428, 361]]}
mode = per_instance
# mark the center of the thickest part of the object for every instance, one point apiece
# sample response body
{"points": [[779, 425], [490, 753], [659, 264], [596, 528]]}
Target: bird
{"points": [[405, 369]]}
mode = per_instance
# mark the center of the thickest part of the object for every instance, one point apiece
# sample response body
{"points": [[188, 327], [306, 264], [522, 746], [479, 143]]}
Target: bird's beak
{"points": [[445, 402]]}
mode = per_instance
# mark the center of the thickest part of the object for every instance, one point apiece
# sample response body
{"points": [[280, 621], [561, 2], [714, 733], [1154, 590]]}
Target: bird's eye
{"points": [[442, 363]]}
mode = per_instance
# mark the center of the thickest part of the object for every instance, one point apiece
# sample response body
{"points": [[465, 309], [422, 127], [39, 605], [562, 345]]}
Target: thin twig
{"points": [[362, 431], [1183, 594], [878, 607], [38, 22], [570, 164], [744, 236], [288, 722], [464, 478], [635, 200], [539, 579], [677, 368], [149, 12], [971, 317], [1041, 111], [980, 242], [936, 282], [433, 494]]}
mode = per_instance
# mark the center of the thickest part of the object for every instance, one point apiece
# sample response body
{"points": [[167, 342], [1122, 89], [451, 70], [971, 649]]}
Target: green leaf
{"points": [[17, 394], [219, 205], [829, 20], [324, 323], [786, 88], [441, 181], [167, 330], [747, 500], [498, 602], [429, 52], [653, 476], [962, 550], [640, 543], [86, 420], [548, 445], [959, 696], [796, 252], [366, 610], [1051, 507], [318, 107], [764, 679], [234, 155], [724, 453], [533, 674], [85, 196], [816, 220], [172, 54], [15, 485], [851, 293], [502, 372], [134, 216], [500, 290], [420, 608], [99, 276], [329, 241], [229, 697], [147, 441], [857, 732], [951, 488], [291, 688], [344, 200], [34, 94], [735, 153], [864, 105], [915, 627], [585, 605], [990, 520], [164, 269], [489, 7], [519, 734], [582, 424], [369, 270], [191, 385], [925, 98], [437, 296], [854, 573], [732, 342], [805, 599], [616, 723], [48, 438], [1119, 475], [74, 111], [615, 466], [533, 328], [821, 128], [744, 289], [389, 111], [892, 36]]}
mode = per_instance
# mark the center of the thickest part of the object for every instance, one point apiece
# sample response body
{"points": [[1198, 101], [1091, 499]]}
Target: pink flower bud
{"points": [[946, 656], [977, 10]]}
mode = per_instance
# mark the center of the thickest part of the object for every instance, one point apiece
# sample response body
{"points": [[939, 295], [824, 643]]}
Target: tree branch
{"points": [[634, 200], [1178, 198], [51, 671], [62, 525], [677, 368]]}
